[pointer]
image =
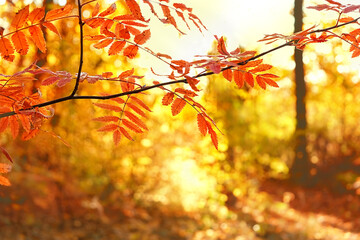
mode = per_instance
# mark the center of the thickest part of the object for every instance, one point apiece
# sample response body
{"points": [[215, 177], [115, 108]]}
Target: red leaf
{"points": [[116, 137], [38, 37], [213, 136], [36, 15], [14, 126], [168, 98], [51, 27], [126, 134], [131, 126], [141, 103], [58, 13], [136, 109], [6, 154], [6, 49], [177, 106], [135, 9], [107, 119], [103, 43], [20, 18], [228, 75], [202, 125], [94, 22], [249, 78], [221, 47], [135, 120], [95, 10], [116, 47], [108, 128], [142, 37], [28, 135], [4, 124], [131, 51], [260, 81], [239, 78]]}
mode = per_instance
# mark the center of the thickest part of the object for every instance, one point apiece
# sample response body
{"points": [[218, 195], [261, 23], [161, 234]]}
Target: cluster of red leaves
{"points": [[127, 112], [31, 21]]}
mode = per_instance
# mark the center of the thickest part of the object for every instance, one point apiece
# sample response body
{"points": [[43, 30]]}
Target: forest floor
{"points": [[276, 212]]}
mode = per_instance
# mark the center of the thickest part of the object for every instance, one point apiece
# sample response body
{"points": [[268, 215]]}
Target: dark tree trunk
{"points": [[300, 170]]}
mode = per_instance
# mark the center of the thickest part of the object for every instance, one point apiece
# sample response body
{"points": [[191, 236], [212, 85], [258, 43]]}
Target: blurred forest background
{"points": [[170, 183]]}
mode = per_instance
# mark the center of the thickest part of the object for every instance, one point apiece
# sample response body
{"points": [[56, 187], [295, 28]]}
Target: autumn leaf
{"points": [[131, 126], [168, 98], [51, 27], [108, 107], [58, 13], [228, 75], [116, 137], [213, 136], [177, 106], [221, 47], [135, 9], [6, 154], [36, 15], [20, 43], [142, 37], [202, 125], [135, 120], [131, 51], [249, 78], [103, 43], [126, 134], [20, 18], [38, 37], [116, 47], [239, 78], [136, 109], [29, 135], [6, 49], [260, 82], [95, 10], [108, 128], [5, 168], [107, 119], [4, 124]]}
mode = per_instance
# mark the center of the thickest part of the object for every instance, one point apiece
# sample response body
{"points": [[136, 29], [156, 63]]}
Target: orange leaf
{"points": [[106, 119], [108, 128], [221, 47], [131, 51], [213, 136], [177, 106], [94, 22], [111, 9], [25, 122], [6, 154], [135, 9], [28, 135], [4, 181], [36, 15], [253, 63], [249, 78], [136, 109], [38, 37], [52, 28], [239, 78], [116, 137], [141, 103], [116, 47], [135, 120], [168, 98], [14, 126], [131, 126], [108, 107], [126, 134], [96, 10], [103, 43], [202, 124], [192, 82], [228, 74], [58, 13], [20, 18], [4, 124], [261, 68], [261, 82], [6, 49], [5, 168], [142, 37], [20, 43]]}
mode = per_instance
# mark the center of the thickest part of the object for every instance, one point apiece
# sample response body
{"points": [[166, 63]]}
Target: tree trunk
{"points": [[300, 170]]}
